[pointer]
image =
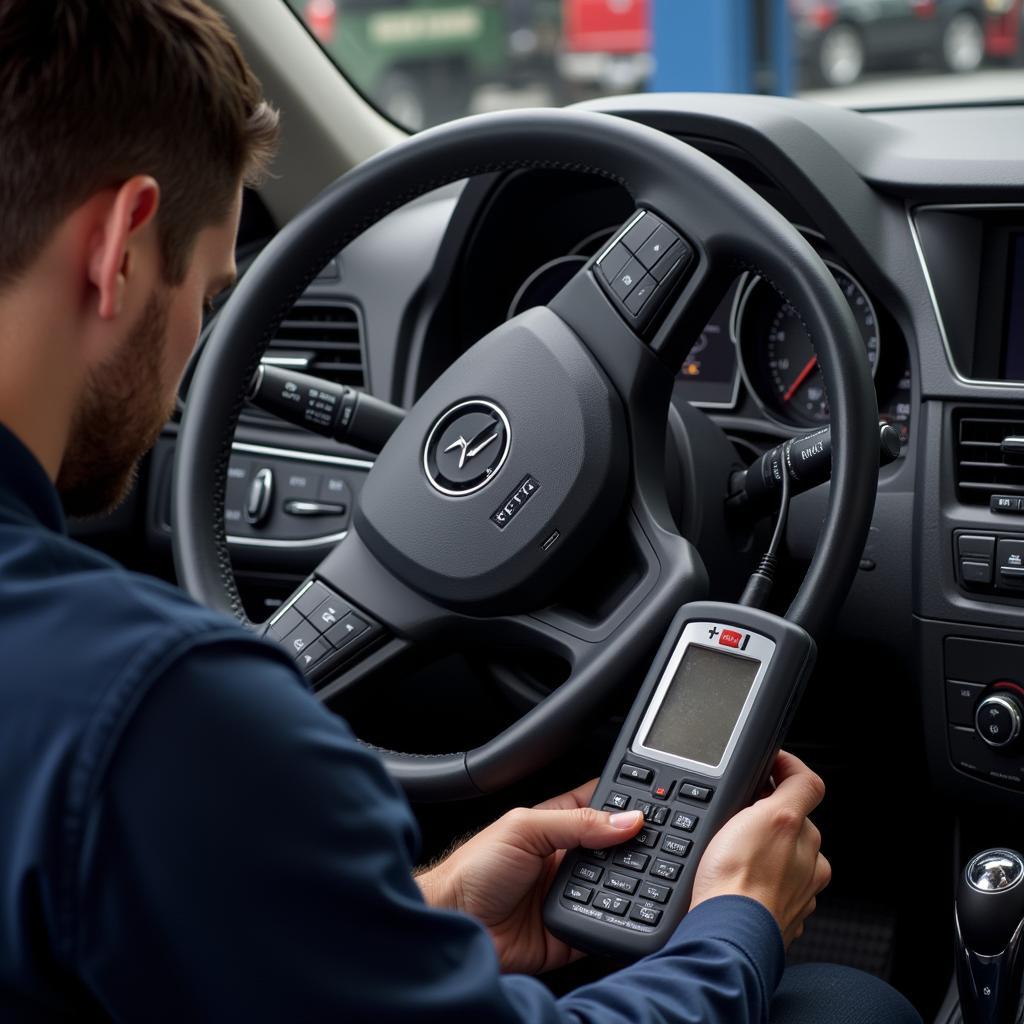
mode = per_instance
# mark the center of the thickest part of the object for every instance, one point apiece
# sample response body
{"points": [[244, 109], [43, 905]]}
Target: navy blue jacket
{"points": [[186, 834]]}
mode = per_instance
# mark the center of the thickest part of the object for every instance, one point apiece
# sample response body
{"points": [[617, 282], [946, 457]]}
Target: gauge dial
{"points": [[786, 376]]}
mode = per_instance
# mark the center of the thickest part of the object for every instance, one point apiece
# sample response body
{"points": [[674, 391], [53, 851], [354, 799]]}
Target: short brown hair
{"points": [[93, 92]]}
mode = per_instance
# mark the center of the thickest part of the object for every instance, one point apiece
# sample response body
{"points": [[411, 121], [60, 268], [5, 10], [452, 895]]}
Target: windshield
{"points": [[427, 61]]}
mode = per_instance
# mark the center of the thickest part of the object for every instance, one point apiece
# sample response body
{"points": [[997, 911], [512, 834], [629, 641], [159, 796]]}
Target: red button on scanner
{"points": [[730, 638]]}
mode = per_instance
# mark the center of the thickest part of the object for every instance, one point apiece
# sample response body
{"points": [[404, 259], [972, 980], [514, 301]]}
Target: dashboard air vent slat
{"points": [[982, 467]]}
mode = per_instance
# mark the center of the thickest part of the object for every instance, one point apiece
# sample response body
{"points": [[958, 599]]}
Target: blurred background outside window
{"points": [[427, 61]]}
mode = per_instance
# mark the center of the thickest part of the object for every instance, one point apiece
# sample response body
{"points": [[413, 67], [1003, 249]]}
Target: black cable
{"points": [[762, 579]]}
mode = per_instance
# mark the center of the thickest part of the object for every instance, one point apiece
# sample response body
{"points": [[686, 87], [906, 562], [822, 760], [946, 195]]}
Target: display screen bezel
{"points": [[758, 648]]}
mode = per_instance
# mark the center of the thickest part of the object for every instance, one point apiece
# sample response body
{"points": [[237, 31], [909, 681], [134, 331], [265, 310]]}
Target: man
{"points": [[188, 835]]}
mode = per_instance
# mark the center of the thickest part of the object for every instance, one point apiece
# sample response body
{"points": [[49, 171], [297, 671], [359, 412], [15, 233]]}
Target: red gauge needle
{"points": [[801, 377]]}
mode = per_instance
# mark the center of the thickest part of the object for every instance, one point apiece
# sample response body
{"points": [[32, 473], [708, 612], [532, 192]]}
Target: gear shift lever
{"points": [[990, 937]]}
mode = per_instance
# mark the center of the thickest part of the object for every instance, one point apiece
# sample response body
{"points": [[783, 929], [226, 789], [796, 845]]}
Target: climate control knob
{"points": [[998, 719]]}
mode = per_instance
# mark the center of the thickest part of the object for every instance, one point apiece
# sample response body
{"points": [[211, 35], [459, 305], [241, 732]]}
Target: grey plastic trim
{"points": [[912, 211]]}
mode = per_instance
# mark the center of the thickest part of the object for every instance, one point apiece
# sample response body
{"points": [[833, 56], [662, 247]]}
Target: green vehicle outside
{"points": [[421, 61]]}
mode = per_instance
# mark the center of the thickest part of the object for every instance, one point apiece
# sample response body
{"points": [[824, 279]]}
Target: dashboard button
{"points": [[685, 822], [620, 801], [300, 638], [1010, 562], [960, 700], [979, 547], [330, 612], [667, 869], [334, 488], [299, 483], [677, 845], [658, 893], [975, 572], [632, 859], [1005, 503]]}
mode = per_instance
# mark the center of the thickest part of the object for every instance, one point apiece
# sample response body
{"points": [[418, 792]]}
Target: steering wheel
{"points": [[577, 395]]}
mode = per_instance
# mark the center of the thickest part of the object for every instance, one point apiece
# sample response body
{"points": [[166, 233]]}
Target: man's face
{"points": [[128, 399]]}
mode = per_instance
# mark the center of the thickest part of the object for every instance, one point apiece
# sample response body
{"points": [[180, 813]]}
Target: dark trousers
{"points": [[829, 994]]}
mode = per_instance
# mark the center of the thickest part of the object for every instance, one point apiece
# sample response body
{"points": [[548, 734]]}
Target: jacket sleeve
{"points": [[246, 859]]}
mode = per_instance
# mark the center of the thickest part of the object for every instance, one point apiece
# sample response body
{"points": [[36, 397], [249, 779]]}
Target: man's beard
{"points": [[120, 417]]}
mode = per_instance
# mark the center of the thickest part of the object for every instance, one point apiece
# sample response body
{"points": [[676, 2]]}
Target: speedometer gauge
{"points": [[780, 365]]}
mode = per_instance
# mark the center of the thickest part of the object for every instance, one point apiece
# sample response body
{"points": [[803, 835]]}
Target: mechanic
{"points": [[188, 834]]}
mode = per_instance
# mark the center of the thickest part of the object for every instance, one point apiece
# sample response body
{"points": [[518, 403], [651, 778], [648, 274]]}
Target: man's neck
{"points": [[39, 384]]}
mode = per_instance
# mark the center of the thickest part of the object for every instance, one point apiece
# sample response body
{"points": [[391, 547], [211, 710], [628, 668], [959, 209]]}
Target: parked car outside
{"points": [[839, 39]]}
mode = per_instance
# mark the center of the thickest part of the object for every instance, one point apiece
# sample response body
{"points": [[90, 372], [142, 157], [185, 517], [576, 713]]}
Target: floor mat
{"points": [[848, 933]]}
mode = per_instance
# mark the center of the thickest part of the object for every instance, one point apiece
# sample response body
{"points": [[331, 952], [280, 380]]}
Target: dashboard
{"points": [[920, 217]]}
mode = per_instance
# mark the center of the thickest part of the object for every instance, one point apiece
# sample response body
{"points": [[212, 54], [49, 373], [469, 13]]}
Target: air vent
{"points": [[320, 338], [983, 468]]}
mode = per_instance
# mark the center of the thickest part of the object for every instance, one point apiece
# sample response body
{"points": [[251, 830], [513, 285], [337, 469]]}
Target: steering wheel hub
{"points": [[428, 511]]}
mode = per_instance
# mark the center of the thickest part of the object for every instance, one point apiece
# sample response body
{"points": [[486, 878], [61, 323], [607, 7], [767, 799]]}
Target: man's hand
{"points": [[502, 874], [771, 852]]}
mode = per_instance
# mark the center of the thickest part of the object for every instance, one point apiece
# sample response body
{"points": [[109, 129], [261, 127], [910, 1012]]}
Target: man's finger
{"points": [[545, 831], [796, 784]]}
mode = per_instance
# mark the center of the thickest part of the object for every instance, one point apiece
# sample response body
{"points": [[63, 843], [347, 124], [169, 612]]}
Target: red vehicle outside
{"points": [[1003, 29], [606, 44]]}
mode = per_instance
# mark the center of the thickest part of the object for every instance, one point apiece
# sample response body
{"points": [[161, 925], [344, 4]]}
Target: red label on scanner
{"points": [[730, 638]]}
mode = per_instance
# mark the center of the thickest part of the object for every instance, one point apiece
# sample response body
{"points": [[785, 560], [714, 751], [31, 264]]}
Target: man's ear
{"points": [[132, 209]]}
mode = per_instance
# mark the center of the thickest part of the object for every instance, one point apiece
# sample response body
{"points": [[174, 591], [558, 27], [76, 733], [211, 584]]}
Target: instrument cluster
{"points": [[755, 349]]}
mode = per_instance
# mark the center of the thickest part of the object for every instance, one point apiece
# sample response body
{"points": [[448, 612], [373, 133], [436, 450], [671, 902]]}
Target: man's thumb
{"points": [[547, 831]]}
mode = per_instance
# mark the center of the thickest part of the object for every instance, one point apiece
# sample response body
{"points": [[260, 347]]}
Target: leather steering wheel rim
{"points": [[732, 229]]}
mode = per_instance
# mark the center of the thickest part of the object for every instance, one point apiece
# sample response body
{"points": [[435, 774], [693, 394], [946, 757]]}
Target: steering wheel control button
{"points": [[997, 720], [588, 872], [300, 638], [658, 893], [667, 869], [638, 297], [685, 822], [578, 893], [310, 655], [611, 904], [632, 859], [622, 883], [261, 491], [311, 599], [289, 620], [329, 614], [620, 801], [634, 773], [466, 447], [691, 791], [676, 845], [614, 261], [646, 915], [641, 231], [657, 246], [348, 629], [960, 701], [628, 278]]}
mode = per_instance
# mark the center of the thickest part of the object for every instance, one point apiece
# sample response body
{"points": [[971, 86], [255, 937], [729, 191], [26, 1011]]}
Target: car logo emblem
{"points": [[466, 447]]}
